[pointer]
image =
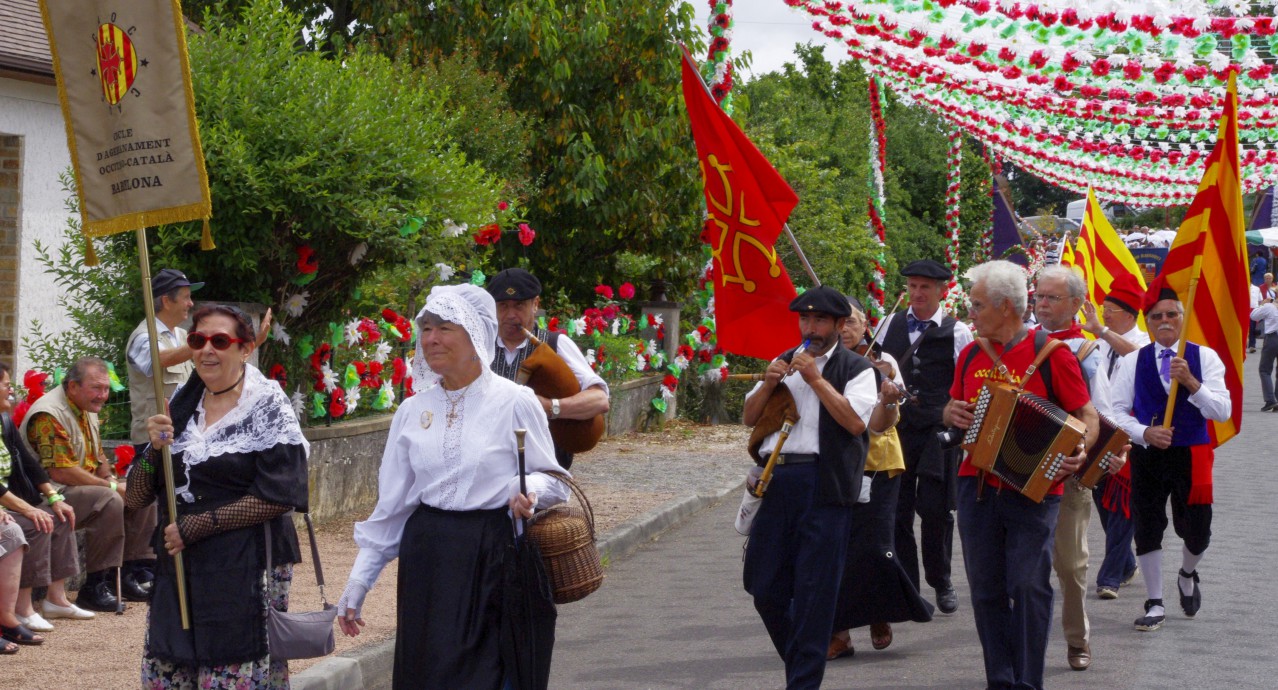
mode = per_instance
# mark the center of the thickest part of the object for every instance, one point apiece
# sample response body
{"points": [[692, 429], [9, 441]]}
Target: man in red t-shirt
{"points": [[1007, 538]]}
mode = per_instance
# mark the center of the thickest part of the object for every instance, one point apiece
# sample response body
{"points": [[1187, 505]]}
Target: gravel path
{"points": [[623, 477]]}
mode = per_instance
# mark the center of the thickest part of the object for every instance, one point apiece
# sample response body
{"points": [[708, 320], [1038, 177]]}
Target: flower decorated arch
{"points": [[1119, 95]]}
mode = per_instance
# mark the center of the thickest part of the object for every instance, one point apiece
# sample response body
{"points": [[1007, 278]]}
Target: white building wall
{"points": [[31, 111]]}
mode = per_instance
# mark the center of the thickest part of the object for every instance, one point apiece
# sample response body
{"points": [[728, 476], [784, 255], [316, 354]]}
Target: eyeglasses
{"points": [[1052, 299], [196, 340], [1162, 315]]}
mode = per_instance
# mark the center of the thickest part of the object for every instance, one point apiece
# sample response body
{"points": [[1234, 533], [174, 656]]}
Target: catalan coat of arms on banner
{"points": [[118, 61]]}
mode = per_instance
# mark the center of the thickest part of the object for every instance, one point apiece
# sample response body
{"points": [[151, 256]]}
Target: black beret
{"points": [[856, 304], [825, 300], [170, 279], [926, 268], [514, 284]]}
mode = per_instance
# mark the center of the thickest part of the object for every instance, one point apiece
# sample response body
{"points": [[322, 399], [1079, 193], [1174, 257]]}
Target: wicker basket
{"points": [[566, 537]]}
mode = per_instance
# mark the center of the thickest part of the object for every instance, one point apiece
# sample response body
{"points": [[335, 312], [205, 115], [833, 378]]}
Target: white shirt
{"points": [[1255, 296], [1134, 336], [139, 353], [1267, 314], [805, 437], [962, 333], [571, 354], [1212, 398], [416, 467]]}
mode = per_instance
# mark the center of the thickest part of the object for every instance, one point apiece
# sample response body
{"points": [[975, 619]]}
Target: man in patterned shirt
{"points": [[62, 430]]}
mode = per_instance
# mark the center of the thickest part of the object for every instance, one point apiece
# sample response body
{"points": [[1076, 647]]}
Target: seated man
{"points": [[61, 428]]}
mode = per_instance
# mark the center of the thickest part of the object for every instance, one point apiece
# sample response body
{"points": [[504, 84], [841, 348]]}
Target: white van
{"points": [[1076, 209]]}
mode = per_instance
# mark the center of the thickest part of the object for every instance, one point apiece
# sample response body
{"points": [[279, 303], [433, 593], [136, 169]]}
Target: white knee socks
{"points": [[1151, 568]]}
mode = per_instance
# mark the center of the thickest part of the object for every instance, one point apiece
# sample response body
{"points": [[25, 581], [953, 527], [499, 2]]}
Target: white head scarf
{"points": [[470, 307]]}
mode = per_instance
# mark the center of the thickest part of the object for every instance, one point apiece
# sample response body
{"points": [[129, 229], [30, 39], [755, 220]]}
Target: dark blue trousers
{"points": [[1007, 550], [1119, 560], [793, 566]]}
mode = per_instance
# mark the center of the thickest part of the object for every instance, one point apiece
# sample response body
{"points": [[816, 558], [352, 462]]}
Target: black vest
{"points": [[928, 372], [841, 458]]}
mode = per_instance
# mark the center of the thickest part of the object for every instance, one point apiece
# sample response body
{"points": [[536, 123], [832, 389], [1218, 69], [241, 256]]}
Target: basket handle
{"points": [[581, 496]]}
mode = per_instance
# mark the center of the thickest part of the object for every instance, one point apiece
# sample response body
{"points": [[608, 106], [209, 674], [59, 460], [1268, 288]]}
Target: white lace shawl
{"points": [[470, 307], [262, 419]]}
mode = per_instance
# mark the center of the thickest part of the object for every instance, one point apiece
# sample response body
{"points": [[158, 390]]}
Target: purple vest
{"points": [[1149, 402]]}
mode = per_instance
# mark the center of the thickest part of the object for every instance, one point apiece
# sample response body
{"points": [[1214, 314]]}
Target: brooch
{"points": [[427, 418]]}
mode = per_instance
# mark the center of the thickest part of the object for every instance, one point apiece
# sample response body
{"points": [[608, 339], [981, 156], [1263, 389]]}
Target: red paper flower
{"points": [[337, 403], [489, 234], [123, 458], [553, 324], [371, 333], [626, 290], [33, 381], [526, 234], [670, 381], [399, 369], [20, 412], [307, 261], [360, 367], [280, 375], [603, 291], [375, 369]]}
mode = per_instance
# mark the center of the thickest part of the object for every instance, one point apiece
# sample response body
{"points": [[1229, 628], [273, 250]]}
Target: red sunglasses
{"points": [[196, 340]]}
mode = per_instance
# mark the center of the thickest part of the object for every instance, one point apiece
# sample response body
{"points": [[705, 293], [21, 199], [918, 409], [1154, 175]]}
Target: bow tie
{"points": [[915, 324]]}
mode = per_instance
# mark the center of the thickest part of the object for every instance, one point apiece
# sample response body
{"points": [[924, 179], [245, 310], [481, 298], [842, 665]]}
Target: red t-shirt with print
{"points": [[1069, 390]]}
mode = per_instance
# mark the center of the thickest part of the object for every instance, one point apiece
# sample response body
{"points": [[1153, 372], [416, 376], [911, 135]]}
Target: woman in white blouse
{"points": [[448, 488]]}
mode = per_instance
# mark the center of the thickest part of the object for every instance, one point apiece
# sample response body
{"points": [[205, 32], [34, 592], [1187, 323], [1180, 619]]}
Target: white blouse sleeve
{"points": [[379, 536], [539, 452]]}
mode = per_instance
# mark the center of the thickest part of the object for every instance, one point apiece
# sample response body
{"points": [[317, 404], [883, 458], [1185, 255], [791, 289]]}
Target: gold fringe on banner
{"points": [[90, 256], [206, 238]]}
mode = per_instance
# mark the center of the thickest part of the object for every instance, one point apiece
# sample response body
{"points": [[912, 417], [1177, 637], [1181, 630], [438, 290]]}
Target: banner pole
{"points": [[1194, 274], [148, 303]]}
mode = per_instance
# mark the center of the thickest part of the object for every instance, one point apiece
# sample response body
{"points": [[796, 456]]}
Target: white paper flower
{"points": [[329, 379], [616, 326], [299, 403], [590, 356], [696, 337], [578, 326], [352, 398], [681, 361], [640, 363], [452, 229], [296, 303], [383, 352], [357, 254], [352, 333], [445, 271], [278, 332]]}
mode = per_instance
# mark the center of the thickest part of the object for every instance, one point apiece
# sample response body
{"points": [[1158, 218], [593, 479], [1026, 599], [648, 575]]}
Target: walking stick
{"points": [[148, 303], [531, 630], [119, 591], [1180, 348]]}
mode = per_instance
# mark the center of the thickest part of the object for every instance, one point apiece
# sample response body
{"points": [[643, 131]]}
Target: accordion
{"points": [[1021, 438], [1109, 445]]}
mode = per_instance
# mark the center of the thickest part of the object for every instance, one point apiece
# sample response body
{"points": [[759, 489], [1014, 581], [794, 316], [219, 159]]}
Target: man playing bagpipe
{"points": [[795, 557], [1007, 537], [1170, 461]]}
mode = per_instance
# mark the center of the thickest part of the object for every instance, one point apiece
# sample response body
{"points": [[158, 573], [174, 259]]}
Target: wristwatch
{"points": [[554, 408]]}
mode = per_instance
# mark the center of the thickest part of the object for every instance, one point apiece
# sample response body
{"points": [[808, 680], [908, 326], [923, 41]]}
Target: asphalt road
{"points": [[674, 615]]}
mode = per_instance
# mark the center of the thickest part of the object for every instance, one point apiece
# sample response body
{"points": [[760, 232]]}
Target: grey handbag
{"points": [[300, 635]]}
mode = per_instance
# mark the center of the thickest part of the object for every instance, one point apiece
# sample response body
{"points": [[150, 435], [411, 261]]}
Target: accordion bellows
{"points": [[1109, 445], [1021, 438]]}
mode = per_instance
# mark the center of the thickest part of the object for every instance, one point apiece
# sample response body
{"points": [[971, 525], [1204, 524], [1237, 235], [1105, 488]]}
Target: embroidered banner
{"points": [[125, 87]]}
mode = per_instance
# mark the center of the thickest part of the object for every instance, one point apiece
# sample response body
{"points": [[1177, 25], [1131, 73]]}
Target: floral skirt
{"points": [[258, 674]]}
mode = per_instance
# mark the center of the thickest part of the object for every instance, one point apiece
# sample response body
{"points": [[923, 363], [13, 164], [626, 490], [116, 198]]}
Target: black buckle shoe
{"points": [[1148, 623], [1190, 604], [134, 590], [97, 596], [946, 600]]}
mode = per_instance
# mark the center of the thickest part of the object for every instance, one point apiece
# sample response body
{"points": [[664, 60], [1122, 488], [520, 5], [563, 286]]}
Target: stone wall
{"points": [[10, 212], [343, 467]]}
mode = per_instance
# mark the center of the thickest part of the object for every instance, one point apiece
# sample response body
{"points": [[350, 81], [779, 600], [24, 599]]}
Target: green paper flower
{"points": [[305, 346], [477, 278], [351, 378], [659, 403], [318, 408]]}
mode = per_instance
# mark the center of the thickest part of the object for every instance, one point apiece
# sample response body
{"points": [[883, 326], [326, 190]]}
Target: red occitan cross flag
{"points": [[748, 203], [1214, 229]]}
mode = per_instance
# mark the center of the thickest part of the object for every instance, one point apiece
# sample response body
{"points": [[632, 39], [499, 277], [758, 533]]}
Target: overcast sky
{"points": [[769, 29]]}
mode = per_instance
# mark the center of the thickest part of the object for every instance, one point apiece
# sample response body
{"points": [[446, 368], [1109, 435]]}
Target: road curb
{"points": [[369, 668]]}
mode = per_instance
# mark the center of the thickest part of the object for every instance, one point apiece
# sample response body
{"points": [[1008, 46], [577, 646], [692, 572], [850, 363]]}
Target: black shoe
{"points": [[97, 594], [133, 589], [946, 600], [1148, 623], [1190, 604], [1269, 407], [144, 571]]}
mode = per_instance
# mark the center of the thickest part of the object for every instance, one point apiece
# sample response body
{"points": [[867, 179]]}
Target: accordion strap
{"points": [[1039, 357]]}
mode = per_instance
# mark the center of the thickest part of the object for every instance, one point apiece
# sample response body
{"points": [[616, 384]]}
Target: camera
{"points": [[950, 437]]}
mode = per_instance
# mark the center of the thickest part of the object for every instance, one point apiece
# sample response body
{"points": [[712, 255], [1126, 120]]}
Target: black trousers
{"points": [[793, 565], [932, 497], [1157, 476]]}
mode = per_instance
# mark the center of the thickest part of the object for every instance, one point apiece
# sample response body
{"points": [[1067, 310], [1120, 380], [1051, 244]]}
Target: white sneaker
{"points": [[36, 623], [52, 610]]}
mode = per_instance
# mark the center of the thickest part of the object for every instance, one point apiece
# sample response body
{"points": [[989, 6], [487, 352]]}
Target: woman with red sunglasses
{"points": [[239, 461]]}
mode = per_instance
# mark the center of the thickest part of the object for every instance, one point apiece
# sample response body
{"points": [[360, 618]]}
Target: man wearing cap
{"points": [[1119, 335], [172, 294], [1172, 461], [1008, 538], [926, 342], [795, 556], [518, 296]]}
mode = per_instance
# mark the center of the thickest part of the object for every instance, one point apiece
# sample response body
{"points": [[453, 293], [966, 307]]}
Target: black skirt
{"points": [[449, 591], [875, 588]]}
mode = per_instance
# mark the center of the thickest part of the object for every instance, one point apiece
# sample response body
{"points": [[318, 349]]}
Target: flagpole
{"points": [[803, 259], [148, 303], [1195, 273]]}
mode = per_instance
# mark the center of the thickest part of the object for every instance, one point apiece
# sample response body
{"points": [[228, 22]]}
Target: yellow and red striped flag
{"points": [[1214, 229], [1068, 257], [1102, 255]]}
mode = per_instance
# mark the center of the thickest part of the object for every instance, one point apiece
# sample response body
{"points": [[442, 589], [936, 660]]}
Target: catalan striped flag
{"points": [[1214, 229], [1066, 251], [1102, 255]]}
